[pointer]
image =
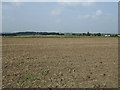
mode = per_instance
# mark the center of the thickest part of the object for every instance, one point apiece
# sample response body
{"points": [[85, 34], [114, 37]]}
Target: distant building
{"points": [[107, 35]]}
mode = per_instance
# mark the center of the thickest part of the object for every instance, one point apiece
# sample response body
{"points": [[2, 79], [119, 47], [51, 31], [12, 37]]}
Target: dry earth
{"points": [[60, 62]]}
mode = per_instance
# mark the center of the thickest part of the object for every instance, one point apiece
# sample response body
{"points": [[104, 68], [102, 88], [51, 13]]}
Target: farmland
{"points": [[60, 62]]}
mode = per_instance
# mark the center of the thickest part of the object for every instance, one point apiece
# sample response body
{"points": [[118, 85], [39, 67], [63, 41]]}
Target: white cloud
{"points": [[12, 5], [99, 12], [69, 3], [76, 2], [87, 4], [86, 16], [94, 15], [73, 4], [56, 11], [17, 4]]}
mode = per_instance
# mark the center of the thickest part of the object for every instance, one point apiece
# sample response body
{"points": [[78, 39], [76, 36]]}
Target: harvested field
{"points": [[60, 62]]}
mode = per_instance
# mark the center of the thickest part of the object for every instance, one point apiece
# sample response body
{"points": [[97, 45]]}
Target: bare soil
{"points": [[60, 62]]}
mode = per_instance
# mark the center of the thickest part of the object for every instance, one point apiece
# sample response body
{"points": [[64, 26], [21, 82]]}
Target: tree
{"points": [[98, 34], [88, 34]]}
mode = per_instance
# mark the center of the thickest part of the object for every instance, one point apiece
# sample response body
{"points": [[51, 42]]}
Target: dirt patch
{"points": [[60, 62]]}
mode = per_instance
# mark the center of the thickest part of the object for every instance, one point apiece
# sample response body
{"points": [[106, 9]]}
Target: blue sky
{"points": [[60, 17]]}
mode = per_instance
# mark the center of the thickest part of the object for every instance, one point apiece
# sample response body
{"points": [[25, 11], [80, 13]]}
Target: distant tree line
{"points": [[95, 34], [56, 33], [31, 33]]}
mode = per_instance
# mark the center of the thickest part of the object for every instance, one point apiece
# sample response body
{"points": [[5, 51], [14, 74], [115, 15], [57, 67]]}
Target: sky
{"points": [[72, 17]]}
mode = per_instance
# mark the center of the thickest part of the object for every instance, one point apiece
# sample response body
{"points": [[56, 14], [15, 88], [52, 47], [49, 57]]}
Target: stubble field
{"points": [[60, 62]]}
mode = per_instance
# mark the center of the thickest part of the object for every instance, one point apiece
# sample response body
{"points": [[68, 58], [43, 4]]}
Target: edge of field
{"points": [[55, 36]]}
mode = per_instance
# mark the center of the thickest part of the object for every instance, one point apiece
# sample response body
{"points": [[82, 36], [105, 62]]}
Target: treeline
{"points": [[30, 33], [56, 33], [95, 34]]}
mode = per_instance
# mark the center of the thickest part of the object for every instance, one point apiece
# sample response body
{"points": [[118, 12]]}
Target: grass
{"points": [[34, 79], [25, 79], [54, 36]]}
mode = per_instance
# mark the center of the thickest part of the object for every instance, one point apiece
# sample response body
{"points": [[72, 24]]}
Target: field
{"points": [[60, 62]]}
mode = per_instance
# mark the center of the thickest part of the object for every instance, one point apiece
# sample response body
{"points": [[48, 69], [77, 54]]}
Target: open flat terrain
{"points": [[60, 62]]}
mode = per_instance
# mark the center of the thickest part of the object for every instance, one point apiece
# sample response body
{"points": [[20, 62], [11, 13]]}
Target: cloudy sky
{"points": [[60, 17]]}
